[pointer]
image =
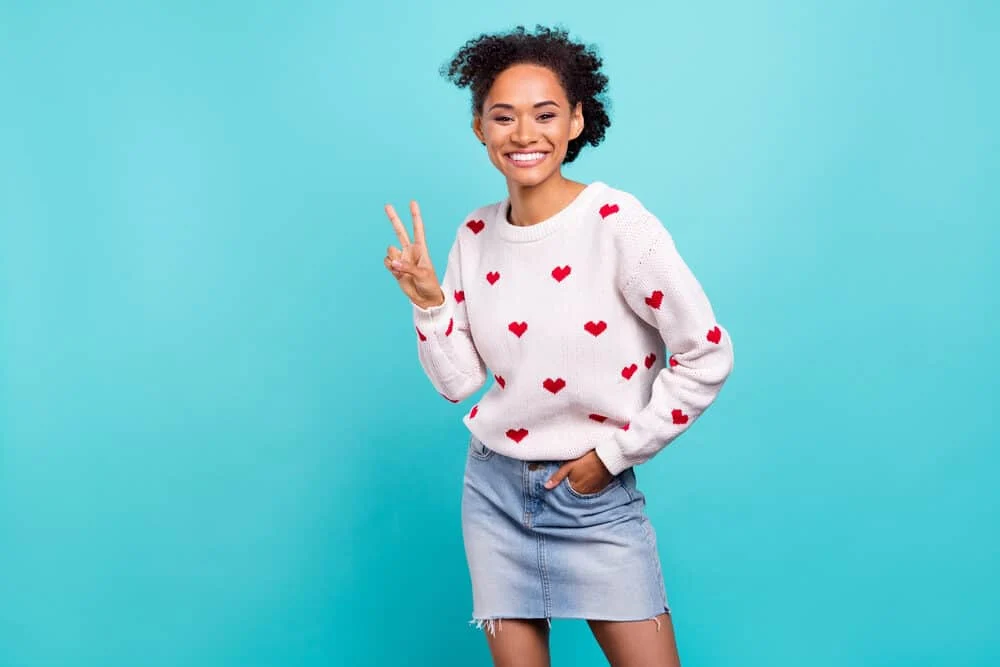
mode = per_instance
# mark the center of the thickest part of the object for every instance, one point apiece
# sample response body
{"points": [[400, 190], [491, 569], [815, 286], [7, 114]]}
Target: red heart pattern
{"points": [[555, 386], [517, 435], [560, 272], [421, 334], [518, 328]]}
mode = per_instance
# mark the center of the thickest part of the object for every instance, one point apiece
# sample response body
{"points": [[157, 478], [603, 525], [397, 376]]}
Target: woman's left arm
{"points": [[660, 288]]}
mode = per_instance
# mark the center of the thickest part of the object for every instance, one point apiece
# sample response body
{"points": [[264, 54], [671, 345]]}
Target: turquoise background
{"points": [[217, 446]]}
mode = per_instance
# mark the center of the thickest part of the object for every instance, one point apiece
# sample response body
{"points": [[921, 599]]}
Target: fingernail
{"points": [[396, 264]]}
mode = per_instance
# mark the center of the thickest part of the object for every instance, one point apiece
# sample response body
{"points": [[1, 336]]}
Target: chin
{"points": [[529, 178]]}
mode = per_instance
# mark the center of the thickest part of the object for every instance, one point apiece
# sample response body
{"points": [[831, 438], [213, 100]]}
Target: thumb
{"points": [[559, 475], [403, 265]]}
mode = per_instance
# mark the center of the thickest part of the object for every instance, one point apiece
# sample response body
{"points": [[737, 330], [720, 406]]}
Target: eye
{"points": [[546, 116], [502, 119]]}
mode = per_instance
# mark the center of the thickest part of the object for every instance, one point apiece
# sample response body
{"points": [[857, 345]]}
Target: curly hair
{"points": [[480, 60]]}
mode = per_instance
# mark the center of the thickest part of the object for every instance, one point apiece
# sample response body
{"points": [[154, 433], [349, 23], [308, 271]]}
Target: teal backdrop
{"points": [[217, 447]]}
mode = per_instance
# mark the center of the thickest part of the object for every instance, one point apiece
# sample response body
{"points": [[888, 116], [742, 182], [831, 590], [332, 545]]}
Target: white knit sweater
{"points": [[574, 318]]}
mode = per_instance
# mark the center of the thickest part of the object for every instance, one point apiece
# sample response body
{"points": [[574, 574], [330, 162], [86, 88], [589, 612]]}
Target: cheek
{"points": [[496, 141], [560, 136], [495, 150], [563, 130]]}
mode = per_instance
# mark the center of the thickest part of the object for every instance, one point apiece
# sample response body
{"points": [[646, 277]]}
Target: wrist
{"points": [[600, 462], [611, 457], [430, 303]]}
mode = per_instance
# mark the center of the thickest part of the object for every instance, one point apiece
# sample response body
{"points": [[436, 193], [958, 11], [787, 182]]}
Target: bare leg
{"points": [[638, 643], [518, 643]]}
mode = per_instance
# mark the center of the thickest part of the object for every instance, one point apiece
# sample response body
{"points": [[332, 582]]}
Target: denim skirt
{"points": [[554, 553]]}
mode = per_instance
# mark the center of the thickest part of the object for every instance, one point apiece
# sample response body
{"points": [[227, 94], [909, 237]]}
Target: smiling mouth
{"points": [[524, 160]]}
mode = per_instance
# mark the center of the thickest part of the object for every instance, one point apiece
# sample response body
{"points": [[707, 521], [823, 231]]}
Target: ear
{"points": [[477, 128], [576, 121]]}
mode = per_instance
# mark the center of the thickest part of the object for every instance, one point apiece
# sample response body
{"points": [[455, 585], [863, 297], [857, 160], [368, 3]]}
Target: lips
{"points": [[526, 159]]}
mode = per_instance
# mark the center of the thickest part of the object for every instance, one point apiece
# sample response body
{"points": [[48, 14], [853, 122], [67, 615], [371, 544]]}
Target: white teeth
{"points": [[526, 157]]}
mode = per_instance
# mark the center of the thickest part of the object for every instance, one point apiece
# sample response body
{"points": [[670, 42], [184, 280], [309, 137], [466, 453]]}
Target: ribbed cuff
{"points": [[612, 456], [434, 318]]}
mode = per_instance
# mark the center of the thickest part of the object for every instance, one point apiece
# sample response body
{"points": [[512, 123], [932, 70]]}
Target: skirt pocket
{"points": [[478, 450]]}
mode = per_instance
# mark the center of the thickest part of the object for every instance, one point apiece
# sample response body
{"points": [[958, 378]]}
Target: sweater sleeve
{"points": [[444, 341], [660, 288]]}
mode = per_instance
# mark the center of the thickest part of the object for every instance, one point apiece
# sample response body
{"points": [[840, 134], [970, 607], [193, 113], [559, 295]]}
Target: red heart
{"points": [[599, 418], [650, 360], [560, 272], [492, 277], [555, 386], [459, 296], [518, 328], [596, 328], [475, 411], [655, 299], [626, 426], [608, 209], [476, 226], [518, 435], [679, 417], [421, 334], [715, 335], [451, 325], [673, 362], [629, 371], [500, 381]]}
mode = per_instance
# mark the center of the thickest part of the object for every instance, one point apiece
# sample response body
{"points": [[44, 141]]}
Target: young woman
{"points": [[570, 296]]}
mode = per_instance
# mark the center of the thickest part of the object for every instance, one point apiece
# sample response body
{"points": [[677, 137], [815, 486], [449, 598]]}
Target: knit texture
{"points": [[593, 329]]}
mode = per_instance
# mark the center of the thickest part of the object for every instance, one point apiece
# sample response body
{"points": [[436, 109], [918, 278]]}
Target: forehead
{"points": [[525, 84]]}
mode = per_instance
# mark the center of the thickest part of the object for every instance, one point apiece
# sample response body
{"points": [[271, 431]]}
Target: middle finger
{"points": [[397, 225]]}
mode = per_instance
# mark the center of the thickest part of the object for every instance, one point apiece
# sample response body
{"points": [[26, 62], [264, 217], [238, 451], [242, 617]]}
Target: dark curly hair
{"points": [[480, 60]]}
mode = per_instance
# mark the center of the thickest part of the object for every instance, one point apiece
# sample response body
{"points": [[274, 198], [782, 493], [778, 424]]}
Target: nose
{"points": [[524, 134]]}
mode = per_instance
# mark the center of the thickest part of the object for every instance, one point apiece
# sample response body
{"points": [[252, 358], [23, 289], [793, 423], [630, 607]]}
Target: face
{"points": [[526, 123]]}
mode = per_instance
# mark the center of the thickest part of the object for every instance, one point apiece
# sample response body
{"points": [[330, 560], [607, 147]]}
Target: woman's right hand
{"points": [[411, 264]]}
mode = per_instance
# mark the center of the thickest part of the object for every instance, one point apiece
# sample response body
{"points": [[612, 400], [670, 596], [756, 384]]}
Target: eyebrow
{"points": [[503, 105]]}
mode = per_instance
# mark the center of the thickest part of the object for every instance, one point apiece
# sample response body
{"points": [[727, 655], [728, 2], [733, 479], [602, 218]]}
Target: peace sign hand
{"points": [[411, 265]]}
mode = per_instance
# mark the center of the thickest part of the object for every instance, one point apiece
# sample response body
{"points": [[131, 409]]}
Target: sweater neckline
{"points": [[540, 230]]}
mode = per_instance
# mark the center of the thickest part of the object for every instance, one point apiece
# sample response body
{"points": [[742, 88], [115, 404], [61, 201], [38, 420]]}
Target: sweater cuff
{"points": [[613, 457], [435, 317]]}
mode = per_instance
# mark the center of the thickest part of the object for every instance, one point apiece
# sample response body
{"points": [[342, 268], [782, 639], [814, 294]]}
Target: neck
{"points": [[530, 205]]}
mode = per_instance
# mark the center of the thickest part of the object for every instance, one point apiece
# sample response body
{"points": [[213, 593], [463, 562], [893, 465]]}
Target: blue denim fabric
{"points": [[539, 553]]}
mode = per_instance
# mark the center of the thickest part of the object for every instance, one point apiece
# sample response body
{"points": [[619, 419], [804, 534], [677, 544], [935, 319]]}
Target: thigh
{"points": [[649, 643], [518, 643]]}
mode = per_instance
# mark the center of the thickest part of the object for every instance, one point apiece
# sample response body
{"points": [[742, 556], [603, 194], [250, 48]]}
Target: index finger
{"points": [[418, 224], [397, 224]]}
